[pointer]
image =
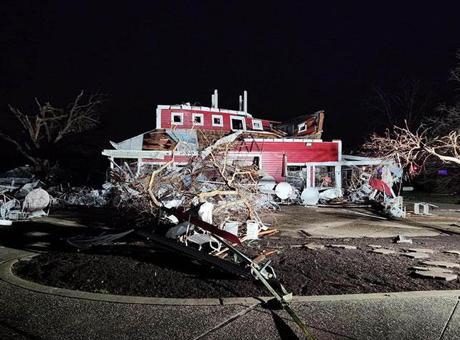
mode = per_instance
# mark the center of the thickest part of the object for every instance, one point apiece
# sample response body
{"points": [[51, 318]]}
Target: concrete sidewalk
{"points": [[26, 314]]}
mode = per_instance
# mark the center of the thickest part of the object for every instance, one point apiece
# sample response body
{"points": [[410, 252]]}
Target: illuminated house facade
{"points": [[281, 150]]}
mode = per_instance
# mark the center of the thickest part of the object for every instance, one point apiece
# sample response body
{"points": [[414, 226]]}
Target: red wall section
{"points": [[296, 152], [272, 164], [207, 115], [303, 152]]}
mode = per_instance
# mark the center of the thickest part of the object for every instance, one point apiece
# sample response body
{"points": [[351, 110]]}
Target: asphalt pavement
{"points": [[31, 314]]}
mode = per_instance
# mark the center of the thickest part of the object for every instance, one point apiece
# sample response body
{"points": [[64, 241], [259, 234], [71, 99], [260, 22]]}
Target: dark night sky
{"points": [[293, 57]]}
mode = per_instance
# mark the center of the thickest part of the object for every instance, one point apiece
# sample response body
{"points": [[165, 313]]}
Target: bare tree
{"points": [[49, 125], [436, 138], [409, 102]]}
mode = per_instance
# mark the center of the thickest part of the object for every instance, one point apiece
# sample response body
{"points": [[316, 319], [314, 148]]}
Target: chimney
{"points": [[245, 101], [240, 103], [216, 99]]}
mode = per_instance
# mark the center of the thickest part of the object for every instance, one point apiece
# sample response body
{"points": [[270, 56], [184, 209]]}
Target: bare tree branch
{"points": [[50, 124]]}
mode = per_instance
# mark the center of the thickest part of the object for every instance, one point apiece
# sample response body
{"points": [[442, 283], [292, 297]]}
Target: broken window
{"points": [[296, 176], [324, 176], [302, 127]]}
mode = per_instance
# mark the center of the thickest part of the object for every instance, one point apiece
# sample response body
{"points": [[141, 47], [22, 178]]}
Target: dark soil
{"points": [[160, 275], [302, 271]]}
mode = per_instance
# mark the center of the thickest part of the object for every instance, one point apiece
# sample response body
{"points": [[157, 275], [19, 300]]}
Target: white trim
{"points": [[158, 117], [175, 114], [286, 140], [201, 115], [259, 122], [204, 108], [221, 120], [144, 153], [302, 127], [340, 148], [244, 154], [163, 162], [241, 119]]}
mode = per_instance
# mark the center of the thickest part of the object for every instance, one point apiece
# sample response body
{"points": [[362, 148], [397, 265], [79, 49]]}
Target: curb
{"points": [[6, 274]]}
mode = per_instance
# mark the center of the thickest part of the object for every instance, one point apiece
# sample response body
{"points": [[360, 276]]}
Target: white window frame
{"points": [[175, 114], [256, 122], [221, 120], [242, 119], [302, 127], [198, 115]]}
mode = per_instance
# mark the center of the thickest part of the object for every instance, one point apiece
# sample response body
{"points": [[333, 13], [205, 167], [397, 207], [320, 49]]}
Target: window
{"points": [[198, 119], [217, 120], [324, 176], [238, 123], [302, 127], [257, 124], [177, 118]]}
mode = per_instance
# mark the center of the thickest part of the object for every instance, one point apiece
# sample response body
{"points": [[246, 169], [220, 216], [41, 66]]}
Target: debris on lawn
{"points": [[343, 246], [375, 246], [421, 250], [422, 208], [444, 264], [442, 270], [375, 184], [313, 246], [417, 255], [82, 242], [435, 274], [383, 251], [403, 239], [455, 252]]}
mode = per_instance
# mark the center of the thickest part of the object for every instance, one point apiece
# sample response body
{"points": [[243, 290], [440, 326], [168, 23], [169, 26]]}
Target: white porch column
{"points": [[338, 177], [139, 165]]}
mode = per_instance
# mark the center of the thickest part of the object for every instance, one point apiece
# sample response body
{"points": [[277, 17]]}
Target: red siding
{"points": [[296, 152], [272, 164]]}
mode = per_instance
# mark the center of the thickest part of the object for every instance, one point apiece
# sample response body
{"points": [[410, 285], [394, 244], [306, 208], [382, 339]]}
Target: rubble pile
{"points": [[24, 196], [218, 190], [375, 184]]}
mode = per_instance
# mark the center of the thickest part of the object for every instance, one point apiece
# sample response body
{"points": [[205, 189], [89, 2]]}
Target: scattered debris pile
{"points": [[375, 184], [24, 196], [21, 196]]}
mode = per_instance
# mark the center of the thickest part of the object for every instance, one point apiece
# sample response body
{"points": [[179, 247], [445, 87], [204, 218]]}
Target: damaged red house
{"points": [[286, 151]]}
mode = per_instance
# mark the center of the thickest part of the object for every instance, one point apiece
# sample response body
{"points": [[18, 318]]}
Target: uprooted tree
{"points": [[42, 131], [413, 148]]}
